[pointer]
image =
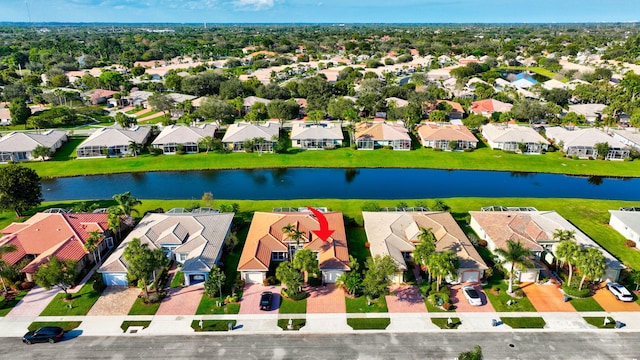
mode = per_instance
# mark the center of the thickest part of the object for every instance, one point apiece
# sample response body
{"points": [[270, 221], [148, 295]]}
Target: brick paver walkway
{"points": [[182, 301], [405, 299], [34, 302], [250, 302], [326, 299], [609, 302], [115, 300], [546, 297], [459, 301]]}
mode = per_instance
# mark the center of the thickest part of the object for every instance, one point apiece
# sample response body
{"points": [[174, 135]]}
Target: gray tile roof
{"points": [[27, 141], [511, 133], [581, 137], [324, 130], [116, 137], [177, 134], [239, 132]]}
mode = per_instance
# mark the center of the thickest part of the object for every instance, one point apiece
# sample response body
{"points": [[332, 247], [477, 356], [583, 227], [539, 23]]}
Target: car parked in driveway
{"points": [[50, 334], [472, 295], [620, 292], [266, 300]]}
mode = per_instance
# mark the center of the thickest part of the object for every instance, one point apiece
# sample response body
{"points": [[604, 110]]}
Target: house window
{"points": [[109, 241], [278, 256], [181, 257]]}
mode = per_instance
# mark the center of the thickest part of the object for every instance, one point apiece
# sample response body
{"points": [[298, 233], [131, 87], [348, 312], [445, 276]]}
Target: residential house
{"points": [[5, 116], [489, 106], [521, 139], [582, 143], [534, 229], [267, 244], [456, 113], [371, 135], [55, 234], [554, 84], [249, 101], [100, 96], [630, 138], [591, 112], [139, 98], [174, 136], [627, 223], [194, 241], [18, 146], [106, 142], [397, 233], [395, 102], [241, 134], [524, 80], [501, 84], [324, 135], [444, 136]]}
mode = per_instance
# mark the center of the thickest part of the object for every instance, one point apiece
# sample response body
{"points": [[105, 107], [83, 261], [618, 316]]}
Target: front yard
{"points": [[80, 303], [363, 305]]}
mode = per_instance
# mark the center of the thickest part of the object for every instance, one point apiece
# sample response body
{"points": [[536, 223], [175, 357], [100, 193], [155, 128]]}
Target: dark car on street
{"points": [[49, 334], [266, 299]]}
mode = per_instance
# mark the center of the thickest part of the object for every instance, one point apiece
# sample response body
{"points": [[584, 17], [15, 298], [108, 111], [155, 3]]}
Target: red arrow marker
{"points": [[324, 231]]}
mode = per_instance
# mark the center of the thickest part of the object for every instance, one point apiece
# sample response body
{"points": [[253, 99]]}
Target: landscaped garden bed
{"points": [[368, 323], [362, 304], [296, 324], [447, 323], [524, 322], [126, 324], [598, 322], [213, 325], [65, 325]]}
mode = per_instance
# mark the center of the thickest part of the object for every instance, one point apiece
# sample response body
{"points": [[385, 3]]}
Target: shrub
{"points": [[518, 293], [26, 285], [437, 149], [574, 292], [630, 243], [231, 299], [301, 295], [18, 285], [68, 296], [153, 298]]}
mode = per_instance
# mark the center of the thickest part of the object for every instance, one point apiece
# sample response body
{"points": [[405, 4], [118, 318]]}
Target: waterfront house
{"points": [[582, 143], [520, 139], [372, 135], [18, 146], [446, 136], [324, 135], [259, 137], [174, 136]]}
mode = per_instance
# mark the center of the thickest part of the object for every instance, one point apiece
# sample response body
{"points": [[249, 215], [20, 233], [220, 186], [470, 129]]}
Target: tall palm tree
{"points": [[563, 235], [126, 202], [591, 264], [134, 147], [293, 234], [91, 244], [425, 248], [443, 264], [5, 249], [568, 252], [114, 219], [517, 255]]}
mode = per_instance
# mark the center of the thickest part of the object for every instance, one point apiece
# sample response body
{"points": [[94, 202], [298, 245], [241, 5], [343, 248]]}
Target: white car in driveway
{"points": [[472, 295], [620, 292]]}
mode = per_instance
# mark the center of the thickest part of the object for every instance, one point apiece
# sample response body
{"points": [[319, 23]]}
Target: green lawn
{"points": [[499, 301], [443, 323], [177, 280], [210, 306], [296, 323], [369, 324], [356, 238], [289, 306], [599, 322], [212, 325], [68, 150], [538, 70], [140, 308], [585, 304], [125, 324], [81, 302], [65, 325], [359, 305], [481, 159], [524, 322], [6, 306]]}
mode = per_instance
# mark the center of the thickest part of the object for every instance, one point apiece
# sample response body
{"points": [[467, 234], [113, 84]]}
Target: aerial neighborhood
{"points": [[130, 100]]}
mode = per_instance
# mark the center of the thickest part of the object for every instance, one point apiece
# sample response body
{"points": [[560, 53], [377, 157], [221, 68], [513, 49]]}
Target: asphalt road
{"points": [[520, 345]]}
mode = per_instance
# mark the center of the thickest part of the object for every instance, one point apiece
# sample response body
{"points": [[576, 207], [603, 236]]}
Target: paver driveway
{"points": [[546, 297], [182, 301], [326, 299], [462, 305], [610, 303], [34, 302], [406, 299], [250, 303], [115, 300]]}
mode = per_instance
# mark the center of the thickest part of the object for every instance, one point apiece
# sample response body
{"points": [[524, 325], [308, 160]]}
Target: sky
{"points": [[320, 11]]}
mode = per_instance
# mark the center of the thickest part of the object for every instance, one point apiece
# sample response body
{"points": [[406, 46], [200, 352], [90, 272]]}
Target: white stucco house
{"points": [[18, 146], [509, 137], [324, 135], [112, 141], [582, 143], [627, 223], [188, 136]]}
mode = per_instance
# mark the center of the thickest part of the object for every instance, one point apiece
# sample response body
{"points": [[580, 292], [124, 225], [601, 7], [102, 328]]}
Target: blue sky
{"points": [[314, 11]]}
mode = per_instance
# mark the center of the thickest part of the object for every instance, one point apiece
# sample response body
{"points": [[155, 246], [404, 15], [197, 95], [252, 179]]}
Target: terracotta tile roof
{"points": [[431, 131], [489, 106], [381, 131], [265, 236], [71, 249]]}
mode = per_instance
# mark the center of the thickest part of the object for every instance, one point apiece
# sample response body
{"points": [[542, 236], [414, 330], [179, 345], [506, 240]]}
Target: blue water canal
{"points": [[304, 183]]}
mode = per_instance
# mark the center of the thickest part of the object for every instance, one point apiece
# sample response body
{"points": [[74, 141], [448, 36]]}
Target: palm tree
{"points": [[443, 264], [259, 143], [5, 249], [293, 234], [126, 202], [114, 219], [207, 143], [91, 244], [563, 235], [517, 255], [425, 248], [134, 147], [591, 264], [307, 261], [568, 252]]}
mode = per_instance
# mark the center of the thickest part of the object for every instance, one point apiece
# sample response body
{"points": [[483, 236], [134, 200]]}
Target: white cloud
{"points": [[254, 5]]}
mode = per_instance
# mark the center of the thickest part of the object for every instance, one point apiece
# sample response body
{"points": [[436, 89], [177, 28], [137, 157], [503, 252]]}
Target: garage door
{"points": [[253, 277], [330, 277], [470, 276], [529, 276], [115, 279]]}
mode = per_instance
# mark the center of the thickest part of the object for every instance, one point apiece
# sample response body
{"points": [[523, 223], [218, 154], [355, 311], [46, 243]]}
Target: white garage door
{"points": [[529, 276], [253, 277], [470, 276], [115, 279], [330, 277]]}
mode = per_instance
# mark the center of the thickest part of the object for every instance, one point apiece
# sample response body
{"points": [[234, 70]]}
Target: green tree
{"points": [[425, 248], [125, 121], [56, 273], [208, 143], [216, 109], [517, 256], [111, 79], [591, 264], [290, 277], [475, 354], [351, 281], [438, 116], [443, 264], [635, 278], [134, 147], [5, 249], [161, 102], [439, 205], [19, 112], [142, 263], [568, 251], [215, 282], [293, 234], [602, 149], [40, 152], [474, 121], [283, 110], [114, 219], [306, 261], [377, 277], [20, 188], [127, 202], [316, 115], [91, 245]]}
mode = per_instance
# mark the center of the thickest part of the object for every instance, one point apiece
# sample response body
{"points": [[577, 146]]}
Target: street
{"points": [[516, 345]]}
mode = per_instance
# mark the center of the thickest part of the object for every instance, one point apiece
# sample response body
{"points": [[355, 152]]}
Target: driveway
{"points": [[183, 301], [610, 303], [34, 302], [325, 300], [115, 300], [546, 297], [405, 299], [250, 303], [462, 305]]}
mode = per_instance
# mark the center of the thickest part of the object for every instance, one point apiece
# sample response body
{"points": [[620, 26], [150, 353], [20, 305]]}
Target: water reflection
{"points": [[350, 174]]}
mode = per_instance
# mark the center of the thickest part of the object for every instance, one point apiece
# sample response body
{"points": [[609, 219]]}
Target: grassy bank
{"points": [[481, 159]]}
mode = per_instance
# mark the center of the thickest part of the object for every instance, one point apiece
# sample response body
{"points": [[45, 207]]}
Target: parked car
{"points": [[266, 299], [44, 334], [620, 292], [472, 295]]}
